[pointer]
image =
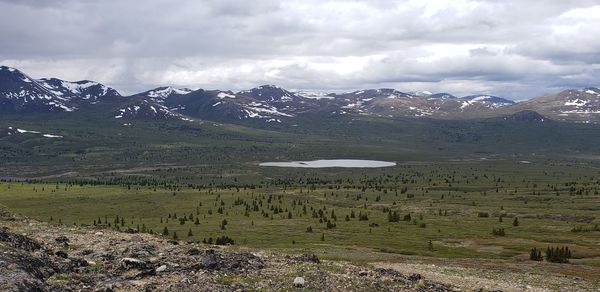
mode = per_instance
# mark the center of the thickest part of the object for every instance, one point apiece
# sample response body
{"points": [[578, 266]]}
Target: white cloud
{"points": [[515, 48]]}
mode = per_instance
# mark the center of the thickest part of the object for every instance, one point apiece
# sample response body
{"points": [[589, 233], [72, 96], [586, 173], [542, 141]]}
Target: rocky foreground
{"points": [[36, 256]]}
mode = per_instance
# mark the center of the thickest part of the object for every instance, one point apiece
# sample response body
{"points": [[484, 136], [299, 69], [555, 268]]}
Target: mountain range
{"points": [[20, 93]]}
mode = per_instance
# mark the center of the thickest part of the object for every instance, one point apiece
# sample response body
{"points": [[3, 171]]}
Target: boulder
{"points": [[132, 263], [299, 282]]}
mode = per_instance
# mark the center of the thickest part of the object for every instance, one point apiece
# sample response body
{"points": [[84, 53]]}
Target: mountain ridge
{"points": [[271, 103]]}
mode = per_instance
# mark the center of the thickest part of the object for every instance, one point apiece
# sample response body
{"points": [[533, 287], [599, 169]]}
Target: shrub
{"points": [[224, 240], [535, 254], [330, 225], [393, 216], [498, 231], [516, 222], [558, 255]]}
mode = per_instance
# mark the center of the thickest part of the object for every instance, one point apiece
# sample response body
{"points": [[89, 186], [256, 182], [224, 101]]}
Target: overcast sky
{"points": [[518, 49]]}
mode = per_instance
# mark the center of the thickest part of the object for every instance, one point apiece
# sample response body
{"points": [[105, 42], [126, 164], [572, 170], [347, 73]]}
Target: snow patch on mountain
{"points": [[577, 102], [12, 131], [313, 95], [145, 109], [84, 90], [225, 95], [164, 92], [422, 93], [52, 136], [259, 110]]}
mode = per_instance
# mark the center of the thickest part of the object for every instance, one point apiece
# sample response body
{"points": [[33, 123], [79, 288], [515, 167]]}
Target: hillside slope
{"points": [[61, 258]]}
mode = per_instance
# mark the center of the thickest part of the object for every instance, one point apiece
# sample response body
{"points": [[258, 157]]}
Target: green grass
{"points": [[467, 189], [102, 169]]}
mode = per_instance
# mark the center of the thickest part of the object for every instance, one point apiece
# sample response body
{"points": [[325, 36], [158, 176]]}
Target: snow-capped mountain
{"points": [[80, 90], [394, 103], [19, 92], [144, 109], [270, 93], [270, 103], [226, 105], [499, 101], [577, 105]]}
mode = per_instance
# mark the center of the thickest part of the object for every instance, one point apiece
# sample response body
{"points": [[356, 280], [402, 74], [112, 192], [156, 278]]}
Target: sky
{"points": [[516, 49]]}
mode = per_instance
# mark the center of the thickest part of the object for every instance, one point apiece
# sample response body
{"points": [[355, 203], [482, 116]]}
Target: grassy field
{"points": [[455, 182], [453, 207]]}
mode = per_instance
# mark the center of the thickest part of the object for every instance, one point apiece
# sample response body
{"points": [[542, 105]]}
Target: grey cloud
{"points": [[485, 45]]}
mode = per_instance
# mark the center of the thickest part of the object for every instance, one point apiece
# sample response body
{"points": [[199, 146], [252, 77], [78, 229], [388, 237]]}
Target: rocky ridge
{"points": [[36, 256]]}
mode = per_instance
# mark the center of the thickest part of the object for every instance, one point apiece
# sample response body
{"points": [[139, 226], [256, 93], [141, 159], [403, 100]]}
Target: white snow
{"points": [[163, 93], [256, 111], [481, 98], [74, 88], [582, 111], [216, 104], [422, 93], [577, 102], [22, 131], [62, 106], [313, 95], [27, 131], [224, 95]]}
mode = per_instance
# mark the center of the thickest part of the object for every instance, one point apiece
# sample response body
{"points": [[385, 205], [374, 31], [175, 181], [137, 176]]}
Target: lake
{"points": [[348, 163]]}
